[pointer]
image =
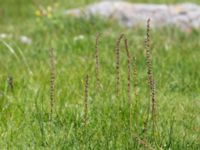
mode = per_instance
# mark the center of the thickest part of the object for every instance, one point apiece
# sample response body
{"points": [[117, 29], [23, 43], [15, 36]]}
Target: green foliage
{"points": [[24, 112]]}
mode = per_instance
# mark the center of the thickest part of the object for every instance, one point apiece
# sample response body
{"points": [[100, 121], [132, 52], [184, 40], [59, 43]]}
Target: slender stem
{"points": [[86, 99], [97, 60], [117, 51], [129, 82], [52, 81]]}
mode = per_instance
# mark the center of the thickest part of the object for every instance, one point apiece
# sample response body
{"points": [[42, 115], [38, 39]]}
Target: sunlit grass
{"points": [[24, 112]]}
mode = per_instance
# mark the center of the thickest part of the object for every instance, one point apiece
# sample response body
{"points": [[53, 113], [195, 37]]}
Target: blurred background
{"points": [[13, 11]]}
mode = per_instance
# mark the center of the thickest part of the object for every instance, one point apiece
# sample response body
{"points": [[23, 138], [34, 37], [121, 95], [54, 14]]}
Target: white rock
{"points": [[184, 16]]}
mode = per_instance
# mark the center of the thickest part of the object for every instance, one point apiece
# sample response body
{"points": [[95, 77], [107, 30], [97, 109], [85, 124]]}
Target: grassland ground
{"points": [[24, 111]]}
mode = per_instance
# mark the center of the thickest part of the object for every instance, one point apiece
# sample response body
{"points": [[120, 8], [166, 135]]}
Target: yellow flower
{"points": [[38, 13]]}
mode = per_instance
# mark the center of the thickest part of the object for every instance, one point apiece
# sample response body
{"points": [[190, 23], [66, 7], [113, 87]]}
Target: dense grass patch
{"points": [[24, 112]]}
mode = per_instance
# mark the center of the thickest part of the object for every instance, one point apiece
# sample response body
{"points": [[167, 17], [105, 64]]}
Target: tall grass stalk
{"points": [[135, 77], [150, 76], [97, 60], [117, 53], [135, 88], [52, 81], [129, 82], [86, 100]]}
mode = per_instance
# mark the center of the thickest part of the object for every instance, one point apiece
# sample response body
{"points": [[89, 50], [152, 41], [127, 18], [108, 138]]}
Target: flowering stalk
{"points": [[52, 81], [118, 63], [97, 60], [86, 99], [129, 82], [151, 81]]}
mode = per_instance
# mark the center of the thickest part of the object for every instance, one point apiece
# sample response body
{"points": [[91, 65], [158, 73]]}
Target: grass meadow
{"points": [[53, 99]]}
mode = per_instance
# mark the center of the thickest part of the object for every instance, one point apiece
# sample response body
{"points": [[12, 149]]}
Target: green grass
{"points": [[24, 113]]}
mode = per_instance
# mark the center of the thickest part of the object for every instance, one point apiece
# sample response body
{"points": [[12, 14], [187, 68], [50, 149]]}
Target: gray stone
{"points": [[185, 16]]}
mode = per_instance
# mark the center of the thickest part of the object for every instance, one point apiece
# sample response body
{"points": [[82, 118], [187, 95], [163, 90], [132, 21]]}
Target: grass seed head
{"points": [[150, 76], [52, 81], [97, 60], [10, 83], [117, 52]]}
